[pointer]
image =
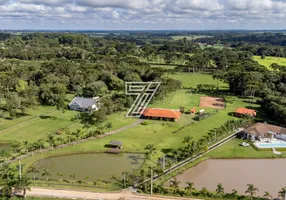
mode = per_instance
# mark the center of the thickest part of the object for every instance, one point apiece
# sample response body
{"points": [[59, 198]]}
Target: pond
{"points": [[4, 146], [264, 174], [98, 166]]}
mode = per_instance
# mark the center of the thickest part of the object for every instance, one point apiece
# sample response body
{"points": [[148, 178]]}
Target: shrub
{"points": [[144, 123]]}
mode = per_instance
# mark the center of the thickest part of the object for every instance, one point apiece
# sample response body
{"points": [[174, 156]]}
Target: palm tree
{"points": [[282, 193], [47, 174], [190, 187], [23, 184], [34, 171], [151, 150], [60, 175], [68, 135], [72, 176], [251, 190], [174, 184], [219, 190], [51, 139], [86, 179], [26, 145], [113, 178], [187, 140], [40, 145], [234, 193], [267, 195], [204, 192]]}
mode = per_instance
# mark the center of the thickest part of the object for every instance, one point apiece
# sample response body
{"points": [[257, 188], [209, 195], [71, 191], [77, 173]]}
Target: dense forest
{"points": [[41, 68]]}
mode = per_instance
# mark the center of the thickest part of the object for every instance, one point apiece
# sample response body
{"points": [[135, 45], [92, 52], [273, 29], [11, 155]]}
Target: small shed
{"points": [[115, 144], [245, 111], [193, 111]]}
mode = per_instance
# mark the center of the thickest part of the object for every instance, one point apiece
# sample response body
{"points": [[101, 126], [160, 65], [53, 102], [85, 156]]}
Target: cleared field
{"points": [[190, 37], [165, 66], [216, 47], [29, 115], [270, 60], [38, 128], [192, 80]]}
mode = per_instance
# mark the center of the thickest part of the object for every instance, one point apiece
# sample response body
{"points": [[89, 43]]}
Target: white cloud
{"points": [[145, 13]]}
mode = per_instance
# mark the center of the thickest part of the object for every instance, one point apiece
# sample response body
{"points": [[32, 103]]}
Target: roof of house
{"points": [[262, 129], [245, 111], [193, 110], [115, 143], [84, 102], [165, 113]]}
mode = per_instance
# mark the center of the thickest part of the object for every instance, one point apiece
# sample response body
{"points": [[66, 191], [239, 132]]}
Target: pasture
{"points": [[190, 80], [270, 60], [170, 67], [39, 126], [189, 37]]}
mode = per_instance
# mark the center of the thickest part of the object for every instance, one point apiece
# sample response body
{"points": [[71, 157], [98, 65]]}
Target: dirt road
{"points": [[71, 194]]}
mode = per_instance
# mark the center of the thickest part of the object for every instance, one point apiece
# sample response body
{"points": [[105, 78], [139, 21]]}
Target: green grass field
{"points": [[165, 66], [30, 114], [270, 60], [232, 149], [192, 80], [189, 37], [38, 128]]}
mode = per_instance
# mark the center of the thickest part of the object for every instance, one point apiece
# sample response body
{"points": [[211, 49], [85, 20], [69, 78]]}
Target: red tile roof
{"points": [[193, 110], [245, 111], [165, 113]]}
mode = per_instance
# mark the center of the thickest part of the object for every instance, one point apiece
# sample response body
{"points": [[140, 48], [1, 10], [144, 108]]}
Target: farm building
{"points": [[114, 147], [262, 130], [115, 144], [193, 111], [158, 113], [84, 104], [245, 111]]}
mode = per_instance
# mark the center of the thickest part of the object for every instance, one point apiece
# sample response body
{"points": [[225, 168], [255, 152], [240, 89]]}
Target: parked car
{"points": [[244, 144]]}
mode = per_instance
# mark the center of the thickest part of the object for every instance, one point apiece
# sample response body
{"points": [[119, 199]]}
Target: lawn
{"points": [[232, 149], [193, 79], [39, 127], [270, 60], [29, 115]]}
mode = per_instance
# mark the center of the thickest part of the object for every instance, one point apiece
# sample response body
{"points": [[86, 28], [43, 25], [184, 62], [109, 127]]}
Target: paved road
{"points": [[124, 195]]}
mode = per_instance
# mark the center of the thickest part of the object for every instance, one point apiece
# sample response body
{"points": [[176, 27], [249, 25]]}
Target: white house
{"points": [[84, 104], [262, 130]]}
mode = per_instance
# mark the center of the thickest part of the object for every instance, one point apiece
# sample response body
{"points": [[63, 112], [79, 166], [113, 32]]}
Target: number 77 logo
{"points": [[144, 92]]}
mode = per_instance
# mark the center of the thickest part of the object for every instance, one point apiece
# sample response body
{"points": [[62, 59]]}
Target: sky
{"points": [[142, 14]]}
